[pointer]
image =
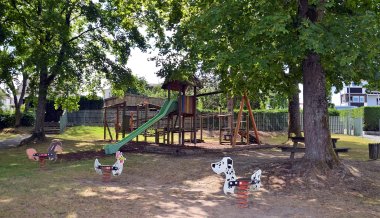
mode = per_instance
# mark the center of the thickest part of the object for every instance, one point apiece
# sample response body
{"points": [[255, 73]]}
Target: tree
{"points": [[14, 66], [71, 40], [248, 43]]}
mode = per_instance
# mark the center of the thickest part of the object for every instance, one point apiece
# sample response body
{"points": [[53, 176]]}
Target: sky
{"points": [[142, 67]]}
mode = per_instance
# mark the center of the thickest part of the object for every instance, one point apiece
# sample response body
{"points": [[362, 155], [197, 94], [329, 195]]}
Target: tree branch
{"points": [[83, 33]]}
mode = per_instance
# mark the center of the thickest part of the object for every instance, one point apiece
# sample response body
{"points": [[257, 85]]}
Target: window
{"points": [[355, 98], [361, 98]]}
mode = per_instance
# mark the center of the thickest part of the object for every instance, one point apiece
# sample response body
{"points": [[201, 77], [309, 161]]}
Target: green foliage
{"points": [[371, 118], [6, 120], [354, 113], [370, 115], [249, 44], [28, 119], [70, 47], [333, 112], [86, 103]]}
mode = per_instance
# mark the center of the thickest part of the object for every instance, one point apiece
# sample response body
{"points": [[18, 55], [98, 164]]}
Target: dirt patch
{"points": [[153, 185], [80, 155]]}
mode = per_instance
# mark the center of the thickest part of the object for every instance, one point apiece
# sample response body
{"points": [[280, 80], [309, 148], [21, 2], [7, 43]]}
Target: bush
{"points": [[354, 113], [333, 112], [86, 103], [371, 118], [28, 119], [6, 120]]}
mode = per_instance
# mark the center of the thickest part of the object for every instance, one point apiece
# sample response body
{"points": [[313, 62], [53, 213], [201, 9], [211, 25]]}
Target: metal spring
{"points": [[41, 161], [242, 194], [106, 173]]}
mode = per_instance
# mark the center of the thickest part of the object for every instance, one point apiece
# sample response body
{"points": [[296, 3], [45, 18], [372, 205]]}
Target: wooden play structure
{"points": [[186, 112], [228, 133], [127, 116], [175, 121]]}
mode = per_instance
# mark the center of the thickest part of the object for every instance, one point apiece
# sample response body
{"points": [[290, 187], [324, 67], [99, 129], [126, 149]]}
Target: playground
{"points": [[173, 185]]}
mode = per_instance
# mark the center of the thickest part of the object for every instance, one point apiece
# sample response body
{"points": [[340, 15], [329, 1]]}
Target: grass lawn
{"points": [[358, 146], [7, 136]]}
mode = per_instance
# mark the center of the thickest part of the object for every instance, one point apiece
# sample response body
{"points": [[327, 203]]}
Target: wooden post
{"points": [[373, 150], [172, 127], [137, 121], [230, 107], [179, 116], [105, 123], [247, 127], [195, 115], [252, 118], [124, 121], [238, 123], [201, 125], [117, 123], [168, 130], [146, 119], [220, 125]]}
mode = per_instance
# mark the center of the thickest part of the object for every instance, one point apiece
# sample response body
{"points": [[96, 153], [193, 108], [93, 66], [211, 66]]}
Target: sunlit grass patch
{"points": [[358, 146], [83, 133]]}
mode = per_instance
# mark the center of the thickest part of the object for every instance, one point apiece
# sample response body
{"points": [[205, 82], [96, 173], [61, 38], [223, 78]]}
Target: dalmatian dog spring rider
{"points": [[226, 166], [105, 170]]}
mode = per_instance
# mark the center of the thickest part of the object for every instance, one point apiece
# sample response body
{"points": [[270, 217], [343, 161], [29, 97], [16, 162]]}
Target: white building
{"points": [[357, 95]]}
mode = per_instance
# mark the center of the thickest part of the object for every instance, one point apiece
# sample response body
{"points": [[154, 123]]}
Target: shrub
{"points": [[28, 119], [333, 112], [371, 118], [86, 103], [354, 113], [6, 120]]}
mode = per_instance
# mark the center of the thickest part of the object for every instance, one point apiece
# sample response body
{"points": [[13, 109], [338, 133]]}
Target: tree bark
{"points": [[294, 115], [19, 102], [319, 149], [39, 132]]}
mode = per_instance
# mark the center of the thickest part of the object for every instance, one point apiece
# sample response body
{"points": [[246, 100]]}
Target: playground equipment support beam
{"points": [[252, 118], [208, 93]]}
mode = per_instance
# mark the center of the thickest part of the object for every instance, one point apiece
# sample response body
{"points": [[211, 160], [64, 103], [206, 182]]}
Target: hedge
{"points": [[86, 103], [331, 111], [371, 118], [370, 115], [8, 119], [354, 113]]}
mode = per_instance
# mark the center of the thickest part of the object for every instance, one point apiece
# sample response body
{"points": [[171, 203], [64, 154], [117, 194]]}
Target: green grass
{"points": [[83, 133], [7, 136], [358, 146], [275, 140]]}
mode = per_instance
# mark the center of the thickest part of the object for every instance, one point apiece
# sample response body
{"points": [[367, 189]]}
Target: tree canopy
{"points": [[72, 44], [251, 44]]}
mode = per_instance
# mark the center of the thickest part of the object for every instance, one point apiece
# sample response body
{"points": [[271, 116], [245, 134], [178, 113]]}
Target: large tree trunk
{"points": [[20, 101], [18, 115], [319, 150], [294, 115], [38, 131]]}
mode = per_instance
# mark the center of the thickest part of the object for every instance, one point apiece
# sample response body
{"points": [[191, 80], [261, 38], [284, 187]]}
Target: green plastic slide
{"points": [[168, 107]]}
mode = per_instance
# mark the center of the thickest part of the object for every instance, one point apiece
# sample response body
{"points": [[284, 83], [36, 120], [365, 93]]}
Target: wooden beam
{"points": [[208, 93], [238, 123], [252, 118]]}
